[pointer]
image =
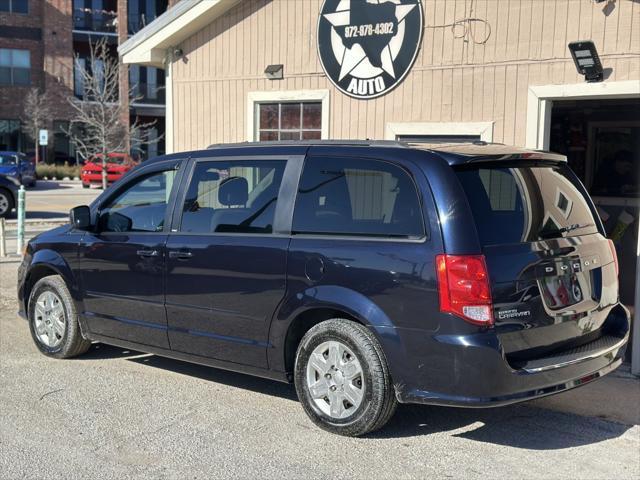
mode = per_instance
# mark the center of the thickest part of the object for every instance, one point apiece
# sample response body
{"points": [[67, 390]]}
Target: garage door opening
{"points": [[601, 139]]}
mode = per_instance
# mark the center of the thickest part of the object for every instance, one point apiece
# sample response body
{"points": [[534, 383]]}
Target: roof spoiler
{"points": [[534, 155]]}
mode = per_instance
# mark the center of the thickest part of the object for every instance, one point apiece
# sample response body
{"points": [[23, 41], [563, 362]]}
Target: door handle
{"points": [[180, 254], [148, 253]]}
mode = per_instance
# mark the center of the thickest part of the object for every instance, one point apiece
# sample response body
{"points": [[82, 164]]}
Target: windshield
{"points": [[526, 204], [6, 159]]}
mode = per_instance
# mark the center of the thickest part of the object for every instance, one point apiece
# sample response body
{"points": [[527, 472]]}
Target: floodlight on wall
{"points": [[587, 61], [274, 72]]}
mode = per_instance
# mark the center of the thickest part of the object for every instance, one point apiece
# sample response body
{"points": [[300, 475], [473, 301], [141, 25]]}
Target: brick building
{"points": [[39, 42]]}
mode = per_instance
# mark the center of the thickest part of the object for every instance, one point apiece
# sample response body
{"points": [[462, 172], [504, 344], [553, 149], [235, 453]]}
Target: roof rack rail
{"points": [[363, 143]]}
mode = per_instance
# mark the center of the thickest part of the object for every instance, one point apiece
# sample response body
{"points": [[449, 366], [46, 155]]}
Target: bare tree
{"points": [[36, 114], [97, 126]]}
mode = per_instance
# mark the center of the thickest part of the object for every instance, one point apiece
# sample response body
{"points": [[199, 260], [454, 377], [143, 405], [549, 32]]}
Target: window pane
{"points": [[311, 135], [514, 205], [78, 76], [21, 76], [21, 58], [5, 75], [287, 119], [312, 115], [268, 115], [9, 126], [232, 197], [134, 74], [267, 136], [9, 134], [290, 135], [20, 6], [356, 197], [5, 57], [501, 188], [290, 116], [437, 139], [4, 5], [141, 207], [98, 71]]}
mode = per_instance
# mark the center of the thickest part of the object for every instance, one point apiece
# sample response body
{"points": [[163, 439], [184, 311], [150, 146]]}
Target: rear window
{"points": [[526, 204]]}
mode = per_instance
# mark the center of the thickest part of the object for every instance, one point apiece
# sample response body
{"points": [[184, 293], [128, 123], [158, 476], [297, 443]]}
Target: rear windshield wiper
{"points": [[575, 226], [568, 228]]}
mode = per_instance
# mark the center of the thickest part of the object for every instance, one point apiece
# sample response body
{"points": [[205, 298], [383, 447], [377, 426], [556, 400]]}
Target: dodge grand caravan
{"points": [[366, 273]]}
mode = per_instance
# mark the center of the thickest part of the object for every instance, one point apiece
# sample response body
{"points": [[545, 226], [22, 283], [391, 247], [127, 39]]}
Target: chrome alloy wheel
{"points": [[4, 204], [50, 319], [335, 379]]}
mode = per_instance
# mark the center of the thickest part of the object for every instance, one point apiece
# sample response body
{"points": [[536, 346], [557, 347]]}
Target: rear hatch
{"points": [[553, 275]]}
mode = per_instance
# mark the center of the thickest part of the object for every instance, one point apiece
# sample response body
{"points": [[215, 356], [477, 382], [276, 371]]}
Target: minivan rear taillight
{"points": [[463, 285]]}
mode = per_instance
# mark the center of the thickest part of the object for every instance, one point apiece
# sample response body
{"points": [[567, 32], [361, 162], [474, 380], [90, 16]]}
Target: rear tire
{"points": [[349, 392], [53, 319]]}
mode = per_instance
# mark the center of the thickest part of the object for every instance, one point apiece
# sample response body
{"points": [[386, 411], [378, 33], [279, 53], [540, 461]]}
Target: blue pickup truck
{"points": [[18, 166]]}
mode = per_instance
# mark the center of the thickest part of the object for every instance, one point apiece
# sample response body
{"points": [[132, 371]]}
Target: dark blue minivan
{"points": [[367, 273]]}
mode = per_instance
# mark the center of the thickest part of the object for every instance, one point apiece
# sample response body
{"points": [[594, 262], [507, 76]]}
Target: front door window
{"points": [[141, 207]]}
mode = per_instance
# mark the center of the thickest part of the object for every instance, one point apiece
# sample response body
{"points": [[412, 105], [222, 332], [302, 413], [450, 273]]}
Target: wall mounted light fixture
{"points": [[587, 61], [274, 72]]}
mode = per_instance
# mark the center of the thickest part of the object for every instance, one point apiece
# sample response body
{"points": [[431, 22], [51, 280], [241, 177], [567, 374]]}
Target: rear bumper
{"points": [[472, 371], [424, 397]]}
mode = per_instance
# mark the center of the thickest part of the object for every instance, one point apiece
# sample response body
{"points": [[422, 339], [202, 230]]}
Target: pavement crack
{"points": [[51, 393]]}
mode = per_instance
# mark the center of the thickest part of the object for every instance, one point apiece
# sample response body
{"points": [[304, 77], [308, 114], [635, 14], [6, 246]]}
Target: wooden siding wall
{"points": [[453, 79]]}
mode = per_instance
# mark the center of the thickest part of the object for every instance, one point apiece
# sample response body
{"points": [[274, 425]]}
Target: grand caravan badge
{"points": [[366, 47]]}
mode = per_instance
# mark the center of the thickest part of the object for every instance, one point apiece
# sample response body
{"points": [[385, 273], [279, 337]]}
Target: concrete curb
{"points": [[39, 221], [11, 258]]}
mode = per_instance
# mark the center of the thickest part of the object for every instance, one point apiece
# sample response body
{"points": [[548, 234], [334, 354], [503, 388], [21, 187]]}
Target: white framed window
{"points": [[288, 121], [288, 115], [15, 66], [439, 132]]}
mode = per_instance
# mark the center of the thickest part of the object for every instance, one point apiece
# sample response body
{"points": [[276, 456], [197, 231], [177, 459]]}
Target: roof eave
{"points": [[149, 46]]}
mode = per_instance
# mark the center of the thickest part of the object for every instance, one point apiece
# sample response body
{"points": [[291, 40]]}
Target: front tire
{"points": [[342, 378], [6, 203], [53, 319]]}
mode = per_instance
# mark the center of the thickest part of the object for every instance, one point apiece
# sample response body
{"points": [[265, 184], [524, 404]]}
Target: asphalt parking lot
{"points": [[48, 205], [53, 199], [114, 413]]}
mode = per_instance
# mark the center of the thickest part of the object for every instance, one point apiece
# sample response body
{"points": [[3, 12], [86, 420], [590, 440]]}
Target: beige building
{"points": [[490, 78], [456, 70]]}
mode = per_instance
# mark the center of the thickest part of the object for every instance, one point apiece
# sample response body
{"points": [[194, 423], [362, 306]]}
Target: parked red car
{"points": [[117, 165]]}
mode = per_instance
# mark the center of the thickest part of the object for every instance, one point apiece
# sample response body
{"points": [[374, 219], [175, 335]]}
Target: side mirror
{"points": [[80, 217]]}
